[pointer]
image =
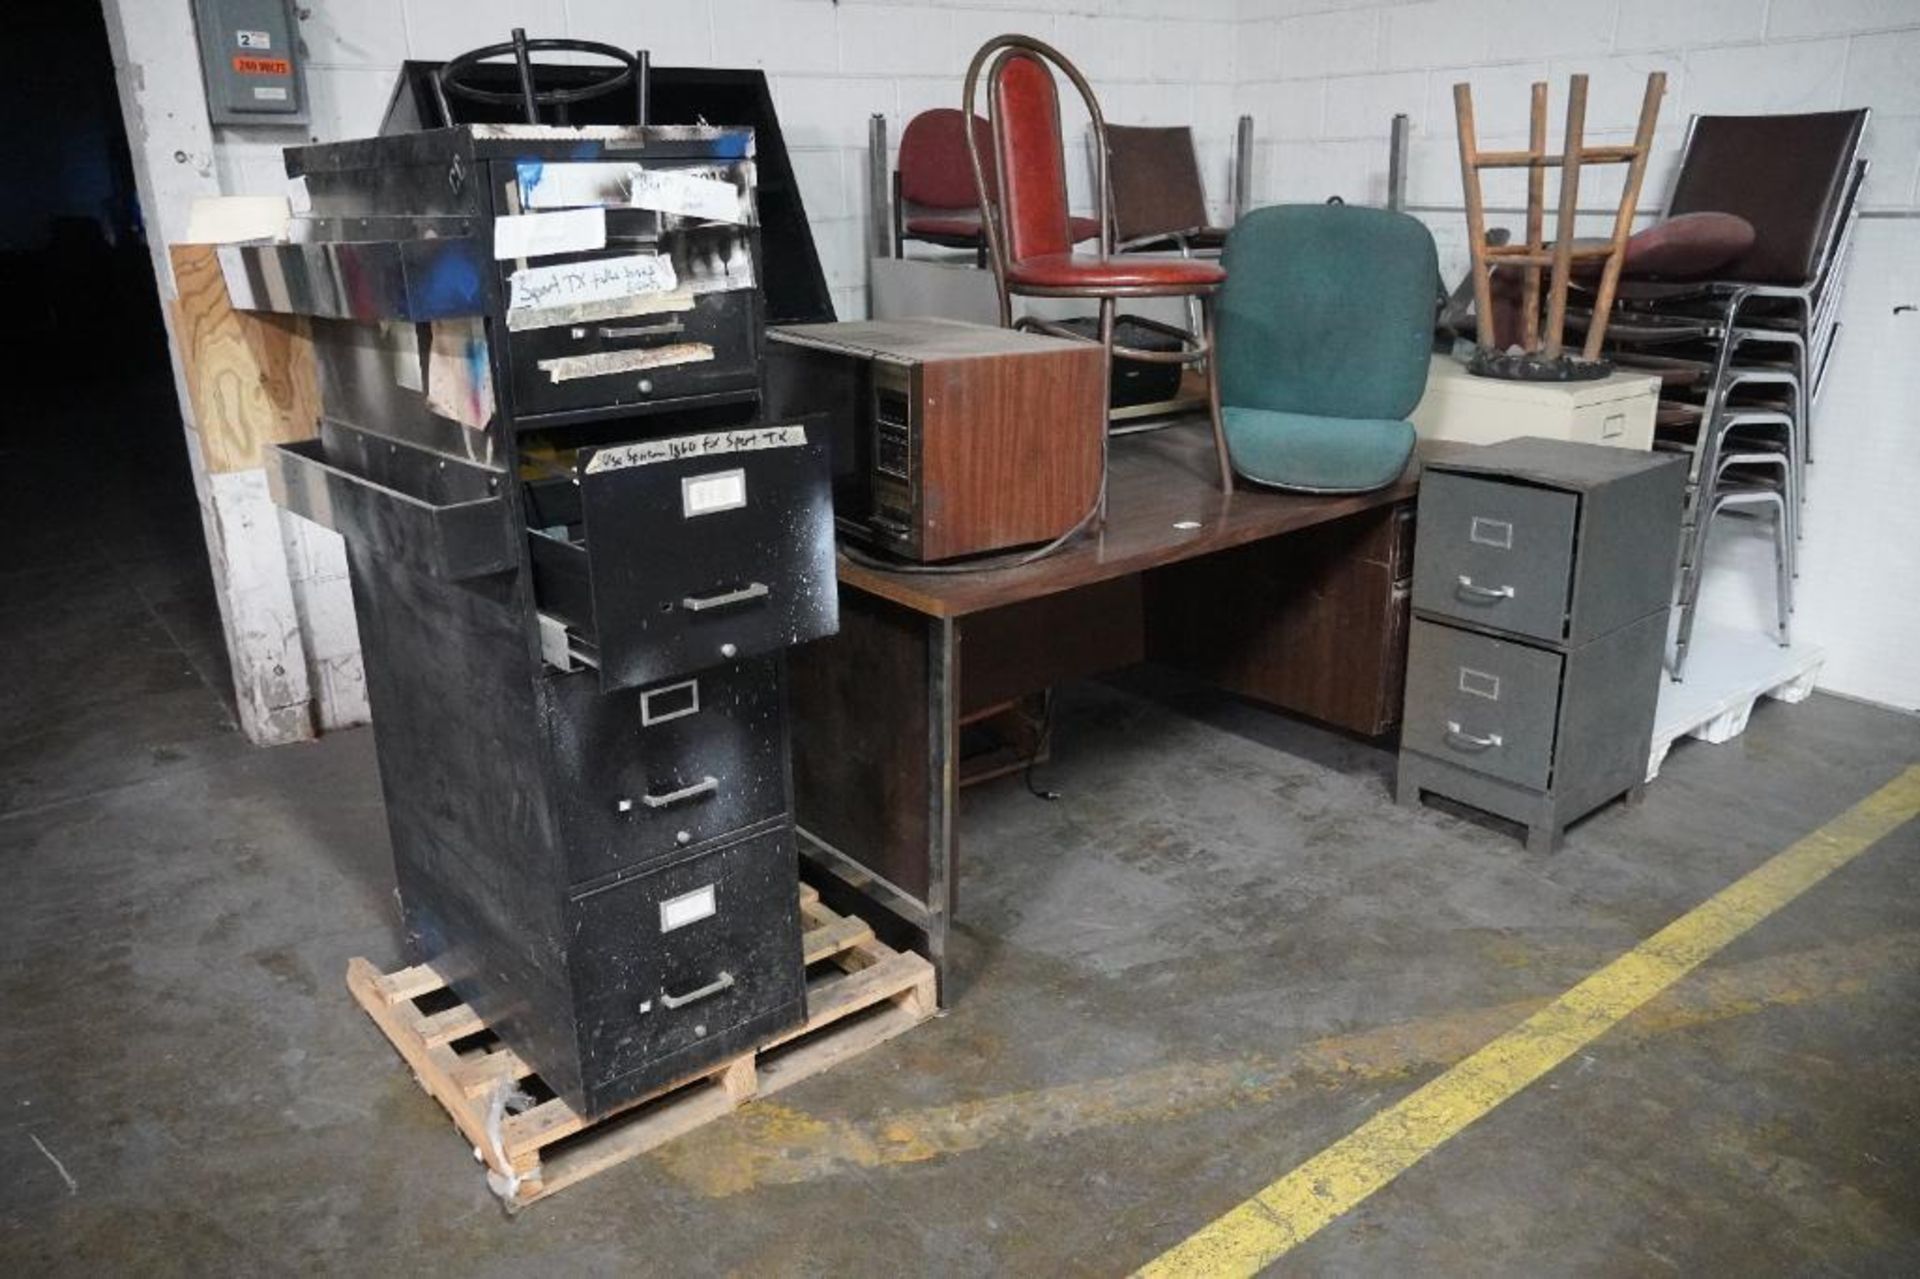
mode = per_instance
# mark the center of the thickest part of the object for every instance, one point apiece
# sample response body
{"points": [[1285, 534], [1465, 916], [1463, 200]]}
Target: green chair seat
{"points": [[1325, 323], [1316, 453]]}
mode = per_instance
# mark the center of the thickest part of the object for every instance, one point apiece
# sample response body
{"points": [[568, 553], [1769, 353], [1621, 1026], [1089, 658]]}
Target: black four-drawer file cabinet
{"points": [[1541, 580], [578, 553]]}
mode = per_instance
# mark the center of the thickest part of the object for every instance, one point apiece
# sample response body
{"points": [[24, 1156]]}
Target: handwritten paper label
{"points": [[688, 194], [601, 280], [534, 235], [566, 368], [711, 444]]}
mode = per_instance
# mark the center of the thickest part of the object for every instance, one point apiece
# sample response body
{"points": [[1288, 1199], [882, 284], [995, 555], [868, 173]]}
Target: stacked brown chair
{"points": [[1029, 232], [933, 196], [1159, 202], [1741, 344]]}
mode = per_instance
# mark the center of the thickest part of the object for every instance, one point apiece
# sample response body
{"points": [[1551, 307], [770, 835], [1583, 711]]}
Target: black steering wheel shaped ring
{"points": [[452, 76]]}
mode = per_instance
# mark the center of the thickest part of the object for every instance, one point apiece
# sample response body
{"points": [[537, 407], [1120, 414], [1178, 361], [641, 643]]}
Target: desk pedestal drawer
{"points": [[1483, 703]]}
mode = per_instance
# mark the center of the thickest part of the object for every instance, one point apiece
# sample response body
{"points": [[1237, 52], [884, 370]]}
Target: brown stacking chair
{"points": [[933, 197], [1159, 203]]}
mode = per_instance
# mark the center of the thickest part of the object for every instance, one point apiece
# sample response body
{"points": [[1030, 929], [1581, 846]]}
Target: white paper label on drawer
{"points": [[568, 368], [1495, 533], [601, 280], [718, 491], [1479, 684], [711, 444], [688, 193], [534, 235], [570, 185], [687, 908]]}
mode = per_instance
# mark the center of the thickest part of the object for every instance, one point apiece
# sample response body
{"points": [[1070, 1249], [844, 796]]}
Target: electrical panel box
{"points": [[250, 59]]}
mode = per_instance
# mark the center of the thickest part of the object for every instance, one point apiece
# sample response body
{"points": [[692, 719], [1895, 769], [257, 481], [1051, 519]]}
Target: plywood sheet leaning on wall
{"points": [[250, 375]]}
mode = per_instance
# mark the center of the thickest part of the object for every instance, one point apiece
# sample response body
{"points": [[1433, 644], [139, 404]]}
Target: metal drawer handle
{"points": [[705, 786], [615, 332], [1462, 738], [700, 604], [723, 982], [1467, 587]]}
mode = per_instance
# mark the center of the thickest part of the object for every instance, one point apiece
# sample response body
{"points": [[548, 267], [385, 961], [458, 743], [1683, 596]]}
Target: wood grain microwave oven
{"points": [[947, 439]]}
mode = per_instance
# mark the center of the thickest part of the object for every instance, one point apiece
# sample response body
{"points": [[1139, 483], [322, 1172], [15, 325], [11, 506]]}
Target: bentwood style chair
{"points": [[1029, 232]]}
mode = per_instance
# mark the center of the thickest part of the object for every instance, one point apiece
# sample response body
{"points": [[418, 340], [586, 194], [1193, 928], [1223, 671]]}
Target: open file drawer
{"points": [[665, 557]]}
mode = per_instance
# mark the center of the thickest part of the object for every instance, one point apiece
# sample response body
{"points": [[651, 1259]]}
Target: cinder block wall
{"points": [[1322, 78], [831, 67]]}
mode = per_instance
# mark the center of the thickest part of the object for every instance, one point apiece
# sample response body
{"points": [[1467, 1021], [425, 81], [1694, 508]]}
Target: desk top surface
{"points": [[1157, 482]]}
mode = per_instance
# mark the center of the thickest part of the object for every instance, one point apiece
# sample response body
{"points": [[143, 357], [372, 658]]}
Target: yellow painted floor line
{"points": [[1293, 1209], [769, 1144]]}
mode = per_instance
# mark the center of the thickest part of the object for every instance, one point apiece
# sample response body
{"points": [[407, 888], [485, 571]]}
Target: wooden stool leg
{"points": [[1536, 220], [1476, 214], [1209, 334], [1623, 216], [1570, 159]]}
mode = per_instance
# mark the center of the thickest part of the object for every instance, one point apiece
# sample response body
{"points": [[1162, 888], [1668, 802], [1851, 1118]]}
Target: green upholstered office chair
{"points": [[1326, 322]]}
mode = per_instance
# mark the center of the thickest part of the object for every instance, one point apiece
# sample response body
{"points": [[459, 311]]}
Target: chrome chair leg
{"points": [[1211, 370]]}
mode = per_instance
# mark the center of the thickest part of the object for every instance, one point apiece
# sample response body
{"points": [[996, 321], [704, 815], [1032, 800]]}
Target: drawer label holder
{"points": [[1490, 532], [713, 492], [1479, 684], [687, 908]]}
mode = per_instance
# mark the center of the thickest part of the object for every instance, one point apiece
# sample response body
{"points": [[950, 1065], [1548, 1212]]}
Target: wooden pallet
{"points": [[860, 992], [1728, 671]]}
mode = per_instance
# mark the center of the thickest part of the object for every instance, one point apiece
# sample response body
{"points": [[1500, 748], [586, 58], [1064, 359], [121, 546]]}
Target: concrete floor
{"points": [[1222, 949]]}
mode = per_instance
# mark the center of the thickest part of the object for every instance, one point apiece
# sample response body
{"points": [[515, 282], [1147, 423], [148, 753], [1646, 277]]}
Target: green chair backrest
{"points": [[1327, 309]]}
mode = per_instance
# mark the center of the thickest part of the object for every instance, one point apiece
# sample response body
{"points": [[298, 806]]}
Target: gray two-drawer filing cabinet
{"points": [[1542, 573]]}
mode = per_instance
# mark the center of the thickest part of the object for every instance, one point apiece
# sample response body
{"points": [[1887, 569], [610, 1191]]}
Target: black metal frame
{"points": [[631, 68]]}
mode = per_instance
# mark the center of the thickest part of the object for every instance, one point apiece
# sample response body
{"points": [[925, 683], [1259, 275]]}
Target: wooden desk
{"points": [[1225, 586]]}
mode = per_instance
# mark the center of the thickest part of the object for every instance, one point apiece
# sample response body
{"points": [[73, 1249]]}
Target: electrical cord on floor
{"points": [[1040, 744]]}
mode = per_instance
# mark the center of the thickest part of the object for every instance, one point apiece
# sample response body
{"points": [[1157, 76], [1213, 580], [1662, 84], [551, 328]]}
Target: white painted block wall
{"points": [[830, 65], [1321, 78]]}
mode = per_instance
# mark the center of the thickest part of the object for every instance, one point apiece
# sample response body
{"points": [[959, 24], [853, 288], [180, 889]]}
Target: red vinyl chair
{"points": [[1029, 232], [933, 196]]}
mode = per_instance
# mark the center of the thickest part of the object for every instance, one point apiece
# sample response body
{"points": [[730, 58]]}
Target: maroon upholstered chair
{"points": [[933, 196], [1029, 232]]}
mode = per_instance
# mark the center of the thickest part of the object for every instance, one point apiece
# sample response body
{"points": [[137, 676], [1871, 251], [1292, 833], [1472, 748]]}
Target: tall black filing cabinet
{"points": [[577, 553], [1542, 574]]}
